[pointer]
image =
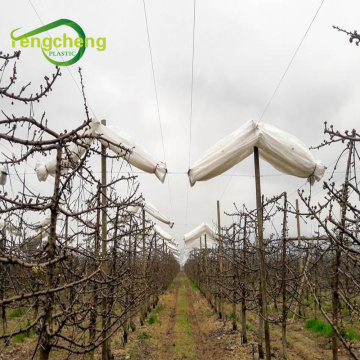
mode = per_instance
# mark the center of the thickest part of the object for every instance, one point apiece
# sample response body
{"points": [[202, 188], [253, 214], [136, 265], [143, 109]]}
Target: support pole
{"points": [[208, 292], [243, 297], [221, 312], [234, 324], [264, 309], [143, 309], [106, 344], [299, 247], [284, 307]]}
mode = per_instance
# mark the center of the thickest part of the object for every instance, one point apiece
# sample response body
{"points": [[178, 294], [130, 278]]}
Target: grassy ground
{"points": [[184, 340]]}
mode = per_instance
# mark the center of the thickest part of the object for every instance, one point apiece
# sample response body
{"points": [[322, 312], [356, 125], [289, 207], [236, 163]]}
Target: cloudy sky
{"points": [[241, 52]]}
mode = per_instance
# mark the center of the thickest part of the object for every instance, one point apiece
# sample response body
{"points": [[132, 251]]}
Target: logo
{"points": [[60, 47]]}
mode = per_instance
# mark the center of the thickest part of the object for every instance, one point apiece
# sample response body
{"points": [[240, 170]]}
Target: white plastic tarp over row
{"points": [[172, 247], [154, 212], [163, 234], [75, 150], [150, 209], [138, 157], [114, 138], [196, 233], [283, 151]]}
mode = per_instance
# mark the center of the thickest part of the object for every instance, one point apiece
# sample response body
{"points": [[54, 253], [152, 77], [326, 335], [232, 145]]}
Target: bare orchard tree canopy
{"points": [[76, 263], [308, 277]]}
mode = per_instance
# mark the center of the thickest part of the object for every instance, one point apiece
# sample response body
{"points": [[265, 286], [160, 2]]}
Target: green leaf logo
{"points": [[53, 25]]}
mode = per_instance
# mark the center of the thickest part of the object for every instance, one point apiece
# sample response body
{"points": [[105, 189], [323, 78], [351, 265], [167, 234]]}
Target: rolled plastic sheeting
{"points": [[151, 210], [202, 229], [138, 156], [43, 169], [163, 234], [283, 151], [172, 247], [130, 210]]}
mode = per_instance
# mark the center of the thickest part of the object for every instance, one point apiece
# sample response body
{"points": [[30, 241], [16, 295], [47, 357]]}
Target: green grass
{"points": [[232, 316], [20, 337], [319, 326], [193, 285], [350, 334], [325, 329], [170, 285], [249, 326], [152, 319], [144, 336], [16, 313], [133, 353], [158, 309], [184, 342]]}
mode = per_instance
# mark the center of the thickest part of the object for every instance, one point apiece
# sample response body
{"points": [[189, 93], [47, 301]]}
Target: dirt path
{"points": [[184, 327], [206, 346]]}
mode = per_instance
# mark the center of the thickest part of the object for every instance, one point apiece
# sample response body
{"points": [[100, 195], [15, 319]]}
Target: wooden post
{"points": [[299, 247], [221, 310], [234, 323], [264, 304], [130, 262], [243, 295], [208, 293], [106, 344], [284, 309], [143, 311]]}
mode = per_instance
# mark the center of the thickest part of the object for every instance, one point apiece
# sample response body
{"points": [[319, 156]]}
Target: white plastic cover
{"points": [[283, 151], [76, 152], [130, 210], [153, 211], [163, 234], [196, 233], [126, 147], [138, 155], [172, 248]]}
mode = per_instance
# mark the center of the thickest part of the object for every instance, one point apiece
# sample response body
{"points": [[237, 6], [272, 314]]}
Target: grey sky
{"points": [[241, 52]]}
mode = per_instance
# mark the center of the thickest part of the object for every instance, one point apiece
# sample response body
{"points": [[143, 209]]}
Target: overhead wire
{"points": [[291, 61], [191, 104], [157, 101], [284, 74]]}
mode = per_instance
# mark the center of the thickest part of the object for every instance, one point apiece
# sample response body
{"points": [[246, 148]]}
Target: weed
{"points": [[133, 353], [170, 284], [249, 326], [158, 309], [21, 337], [319, 326], [152, 319], [232, 316], [16, 313], [144, 336]]}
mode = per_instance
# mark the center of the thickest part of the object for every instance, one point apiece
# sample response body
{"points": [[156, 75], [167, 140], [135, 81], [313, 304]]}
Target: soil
{"points": [[184, 326]]}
